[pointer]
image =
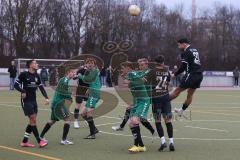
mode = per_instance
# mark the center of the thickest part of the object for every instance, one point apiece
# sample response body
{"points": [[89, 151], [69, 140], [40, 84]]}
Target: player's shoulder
{"points": [[23, 74]]}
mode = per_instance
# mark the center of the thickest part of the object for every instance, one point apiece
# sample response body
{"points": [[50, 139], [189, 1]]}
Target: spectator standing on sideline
{"points": [[103, 76], [13, 73], [109, 78], [236, 76], [44, 75]]}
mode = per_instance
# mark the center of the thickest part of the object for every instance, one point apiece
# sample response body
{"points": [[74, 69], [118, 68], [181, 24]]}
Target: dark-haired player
{"points": [[193, 74], [27, 83], [159, 77], [59, 107], [80, 95]]}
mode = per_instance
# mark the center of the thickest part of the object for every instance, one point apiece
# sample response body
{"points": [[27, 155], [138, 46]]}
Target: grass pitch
{"points": [[213, 133]]}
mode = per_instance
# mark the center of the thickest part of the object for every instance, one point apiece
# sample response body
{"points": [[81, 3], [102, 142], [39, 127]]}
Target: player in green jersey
{"points": [[91, 77], [141, 102], [61, 97], [143, 66]]}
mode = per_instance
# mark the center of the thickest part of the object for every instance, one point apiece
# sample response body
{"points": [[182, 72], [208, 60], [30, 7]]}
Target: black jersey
{"points": [[80, 81], [28, 83], [159, 77], [190, 62]]}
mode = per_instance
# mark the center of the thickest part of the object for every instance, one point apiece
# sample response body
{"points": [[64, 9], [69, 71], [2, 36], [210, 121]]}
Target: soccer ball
{"points": [[134, 10]]}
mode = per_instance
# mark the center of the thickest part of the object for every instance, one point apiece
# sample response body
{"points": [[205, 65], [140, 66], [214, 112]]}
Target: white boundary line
{"points": [[209, 129], [118, 118], [195, 139]]}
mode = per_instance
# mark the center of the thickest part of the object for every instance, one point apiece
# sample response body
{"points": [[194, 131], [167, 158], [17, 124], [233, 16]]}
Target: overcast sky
{"points": [[201, 3]]}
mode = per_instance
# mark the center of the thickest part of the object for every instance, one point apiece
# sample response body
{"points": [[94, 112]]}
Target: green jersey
{"points": [[91, 77], [62, 91], [137, 83]]}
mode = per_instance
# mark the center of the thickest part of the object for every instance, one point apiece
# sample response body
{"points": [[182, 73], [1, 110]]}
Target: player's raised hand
{"points": [[46, 102]]}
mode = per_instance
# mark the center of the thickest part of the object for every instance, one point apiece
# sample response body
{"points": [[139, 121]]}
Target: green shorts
{"points": [[140, 108], [91, 102], [59, 110]]}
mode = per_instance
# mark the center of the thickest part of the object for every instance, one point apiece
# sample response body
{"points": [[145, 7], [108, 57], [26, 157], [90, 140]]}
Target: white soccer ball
{"points": [[134, 10]]}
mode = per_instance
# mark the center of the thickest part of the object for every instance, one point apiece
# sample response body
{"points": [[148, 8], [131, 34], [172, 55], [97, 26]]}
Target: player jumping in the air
{"points": [[193, 74], [27, 83], [141, 102], [91, 77], [143, 66], [59, 108], [80, 95], [159, 78]]}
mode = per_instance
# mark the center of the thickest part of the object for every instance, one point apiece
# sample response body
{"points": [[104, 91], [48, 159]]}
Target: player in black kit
{"points": [[159, 78], [81, 95], [27, 83], [193, 74]]}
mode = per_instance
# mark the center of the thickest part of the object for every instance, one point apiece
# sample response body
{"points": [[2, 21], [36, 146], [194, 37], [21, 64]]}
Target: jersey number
{"points": [[196, 58], [162, 84]]}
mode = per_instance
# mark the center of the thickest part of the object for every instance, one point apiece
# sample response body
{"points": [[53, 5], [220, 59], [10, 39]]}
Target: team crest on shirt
{"points": [[36, 79]]}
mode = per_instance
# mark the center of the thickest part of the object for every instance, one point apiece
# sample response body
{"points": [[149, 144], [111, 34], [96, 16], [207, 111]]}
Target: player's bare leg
{"points": [[187, 102], [176, 92]]}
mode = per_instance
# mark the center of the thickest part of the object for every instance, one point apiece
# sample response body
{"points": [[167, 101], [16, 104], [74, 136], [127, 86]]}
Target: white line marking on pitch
{"points": [[195, 139], [209, 129], [110, 117], [107, 124]]}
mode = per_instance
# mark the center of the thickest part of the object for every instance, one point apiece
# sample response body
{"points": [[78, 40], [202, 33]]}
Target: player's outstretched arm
{"points": [[44, 93]]}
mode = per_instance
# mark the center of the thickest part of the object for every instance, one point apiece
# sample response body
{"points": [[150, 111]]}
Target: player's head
{"points": [[70, 72], [90, 63], [160, 60], [142, 63], [183, 43], [12, 63], [126, 67], [32, 64]]}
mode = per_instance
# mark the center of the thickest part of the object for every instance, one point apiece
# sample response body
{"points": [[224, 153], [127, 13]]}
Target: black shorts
{"points": [[81, 94], [161, 106], [29, 107], [192, 81], [80, 99]]}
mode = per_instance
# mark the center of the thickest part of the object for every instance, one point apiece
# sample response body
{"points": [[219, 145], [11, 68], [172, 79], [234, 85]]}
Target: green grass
{"points": [[212, 134]]}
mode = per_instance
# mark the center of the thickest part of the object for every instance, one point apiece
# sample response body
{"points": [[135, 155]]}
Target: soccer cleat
{"points": [[43, 139], [179, 112], [90, 136], [134, 149], [42, 144], [75, 124], [162, 147], [171, 147], [117, 128], [26, 144], [66, 142], [142, 149]]}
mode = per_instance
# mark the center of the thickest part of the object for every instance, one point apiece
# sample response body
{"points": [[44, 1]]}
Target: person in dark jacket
{"points": [[13, 73], [236, 76], [44, 75]]}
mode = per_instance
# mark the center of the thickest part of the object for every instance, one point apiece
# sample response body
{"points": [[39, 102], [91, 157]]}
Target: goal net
{"points": [[54, 68]]}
